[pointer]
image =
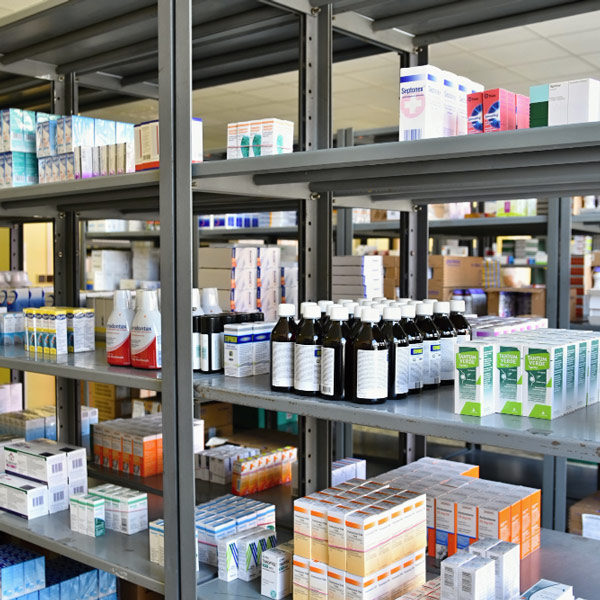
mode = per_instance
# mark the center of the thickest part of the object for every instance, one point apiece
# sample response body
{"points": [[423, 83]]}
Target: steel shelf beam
{"points": [[575, 436]]}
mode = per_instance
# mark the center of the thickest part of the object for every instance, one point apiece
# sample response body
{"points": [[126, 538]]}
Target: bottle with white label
{"points": [[146, 346], [351, 306], [283, 339], [370, 361], [441, 310], [211, 344], [333, 355], [432, 349], [461, 325], [325, 321], [399, 353], [196, 344], [415, 343], [118, 330], [307, 352]]}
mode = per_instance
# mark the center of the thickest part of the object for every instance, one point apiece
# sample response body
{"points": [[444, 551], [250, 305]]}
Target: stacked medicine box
{"points": [[259, 138], [268, 281], [357, 277], [544, 373], [18, 164]]}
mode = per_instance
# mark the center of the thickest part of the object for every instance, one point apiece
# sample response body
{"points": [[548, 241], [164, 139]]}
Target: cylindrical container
{"points": [[370, 361], [283, 339], [399, 351], [118, 330], [196, 344], [333, 355], [441, 310], [457, 316], [415, 342], [146, 350], [431, 346], [307, 352], [211, 343]]}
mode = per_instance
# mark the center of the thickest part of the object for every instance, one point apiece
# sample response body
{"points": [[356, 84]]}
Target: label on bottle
{"points": [[372, 374], [282, 368], [196, 351], [307, 367], [118, 343], [145, 348], [431, 362], [327, 371], [415, 367], [216, 342], [402, 369], [204, 352], [464, 337], [448, 358]]}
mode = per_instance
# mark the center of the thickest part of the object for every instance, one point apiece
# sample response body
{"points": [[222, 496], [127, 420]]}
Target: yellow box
{"points": [[300, 577], [362, 537]]}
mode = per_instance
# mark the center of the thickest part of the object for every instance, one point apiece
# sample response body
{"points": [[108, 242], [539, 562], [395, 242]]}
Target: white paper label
{"points": [[371, 374], [431, 361], [283, 364], [307, 367], [327, 370], [464, 337], [216, 341], [448, 358], [204, 341], [402, 368], [415, 367]]}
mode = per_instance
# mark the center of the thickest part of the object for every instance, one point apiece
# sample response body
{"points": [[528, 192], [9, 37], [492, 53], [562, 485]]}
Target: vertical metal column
{"points": [[65, 95], [554, 493], [315, 222], [175, 111], [564, 264], [16, 264], [553, 268]]}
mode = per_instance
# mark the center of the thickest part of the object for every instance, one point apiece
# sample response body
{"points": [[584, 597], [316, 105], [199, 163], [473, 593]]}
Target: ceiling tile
{"points": [[593, 58], [582, 42], [387, 75], [577, 23], [523, 52], [346, 83], [495, 39], [552, 70]]}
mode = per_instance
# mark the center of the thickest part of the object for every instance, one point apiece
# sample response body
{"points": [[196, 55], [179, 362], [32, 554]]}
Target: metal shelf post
{"points": [[175, 112]]}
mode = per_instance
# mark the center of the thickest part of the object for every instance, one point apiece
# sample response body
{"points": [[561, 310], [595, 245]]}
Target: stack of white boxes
{"points": [[289, 284], [348, 468], [126, 511], [571, 102], [216, 464], [269, 281], [145, 261], [259, 138], [357, 277], [233, 271], [109, 267]]}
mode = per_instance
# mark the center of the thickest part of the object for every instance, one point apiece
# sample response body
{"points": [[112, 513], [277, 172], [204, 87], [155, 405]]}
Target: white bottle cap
{"points": [[457, 305], [378, 307], [358, 311], [311, 311], [306, 304], [286, 310], [380, 299], [415, 302], [330, 308], [339, 313], [323, 304], [146, 300], [408, 311], [429, 301], [369, 315], [122, 299], [392, 313], [343, 301], [400, 303], [363, 301], [441, 308], [196, 304], [351, 306], [210, 301], [424, 309], [403, 300], [387, 302]]}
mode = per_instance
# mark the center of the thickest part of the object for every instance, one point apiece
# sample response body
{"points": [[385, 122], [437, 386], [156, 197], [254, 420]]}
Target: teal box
{"points": [[77, 131], [282, 418], [15, 171], [31, 169], [29, 130], [12, 130], [539, 93], [105, 132]]}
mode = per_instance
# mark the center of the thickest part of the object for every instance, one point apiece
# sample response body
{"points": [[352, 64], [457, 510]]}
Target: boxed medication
{"points": [[545, 589], [506, 557], [74, 131], [88, 515], [300, 578], [475, 112], [474, 389], [276, 573], [498, 110], [558, 103], [238, 350], [544, 368], [477, 579], [450, 575], [23, 497], [317, 580], [508, 372], [38, 462]]}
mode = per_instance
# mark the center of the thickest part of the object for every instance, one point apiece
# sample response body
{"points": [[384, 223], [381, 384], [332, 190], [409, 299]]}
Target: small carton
{"points": [[522, 111], [474, 389], [475, 112], [498, 110], [23, 497], [449, 574], [477, 579], [507, 563], [508, 372], [482, 546], [558, 103], [300, 577], [336, 584], [276, 573], [317, 580], [544, 365], [238, 349], [545, 589]]}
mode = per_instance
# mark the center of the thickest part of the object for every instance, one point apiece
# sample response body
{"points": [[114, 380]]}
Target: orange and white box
{"points": [[535, 504], [319, 549], [467, 522], [317, 580], [127, 452], [432, 495], [300, 577], [517, 499], [302, 531], [116, 460], [361, 588], [362, 537], [336, 534], [413, 576], [144, 454], [495, 520], [233, 150], [383, 534], [396, 571], [98, 443], [414, 523], [336, 584], [445, 524], [384, 583]]}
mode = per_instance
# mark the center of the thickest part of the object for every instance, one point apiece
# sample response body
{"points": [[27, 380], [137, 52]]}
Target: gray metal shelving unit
{"points": [[95, 49]]}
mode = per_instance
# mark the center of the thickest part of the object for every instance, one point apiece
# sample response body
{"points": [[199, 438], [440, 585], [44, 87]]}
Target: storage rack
{"points": [[281, 35]]}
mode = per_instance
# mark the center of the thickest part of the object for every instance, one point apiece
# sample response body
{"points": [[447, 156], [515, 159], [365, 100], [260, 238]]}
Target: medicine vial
{"points": [[118, 330], [196, 344], [460, 323], [370, 360], [324, 305], [146, 347], [441, 310], [333, 354], [415, 343], [211, 343], [283, 339], [399, 353], [307, 352], [432, 350]]}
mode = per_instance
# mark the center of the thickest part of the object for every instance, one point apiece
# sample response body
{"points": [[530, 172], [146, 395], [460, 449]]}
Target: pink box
{"points": [[498, 110], [522, 111], [475, 112]]}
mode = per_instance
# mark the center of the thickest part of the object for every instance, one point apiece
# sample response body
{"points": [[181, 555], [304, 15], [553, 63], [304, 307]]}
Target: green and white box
{"points": [[474, 389], [545, 371], [508, 372], [276, 573]]}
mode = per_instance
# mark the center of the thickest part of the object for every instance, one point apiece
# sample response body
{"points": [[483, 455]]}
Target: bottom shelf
{"points": [[563, 557]]}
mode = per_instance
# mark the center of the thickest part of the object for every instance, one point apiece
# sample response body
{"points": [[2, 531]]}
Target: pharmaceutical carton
{"points": [[76, 131], [421, 103], [276, 137], [475, 112], [508, 372], [521, 111], [317, 580], [498, 110], [495, 519], [261, 346], [450, 98], [538, 107], [23, 497], [558, 103], [250, 549], [362, 537], [361, 588], [584, 101], [482, 546], [477, 579], [446, 524], [233, 149], [545, 589], [39, 463], [238, 349], [474, 389], [276, 573], [58, 498], [15, 169], [300, 577], [544, 366], [12, 130], [105, 132], [506, 557], [450, 574]]}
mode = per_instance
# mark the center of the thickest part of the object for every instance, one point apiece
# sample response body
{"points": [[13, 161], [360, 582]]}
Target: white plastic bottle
{"points": [[118, 330], [146, 350]]}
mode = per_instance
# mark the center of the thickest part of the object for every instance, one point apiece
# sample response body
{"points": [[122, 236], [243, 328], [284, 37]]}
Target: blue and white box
{"points": [[77, 131], [105, 133]]}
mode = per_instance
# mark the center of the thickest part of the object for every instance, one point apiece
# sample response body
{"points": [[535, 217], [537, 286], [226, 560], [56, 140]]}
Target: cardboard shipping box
{"points": [[111, 401], [589, 505], [458, 271], [538, 299], [218, 415], [440, 293]]}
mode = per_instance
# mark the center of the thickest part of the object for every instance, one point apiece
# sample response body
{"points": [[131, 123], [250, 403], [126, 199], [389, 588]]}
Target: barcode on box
{"points": [[78, 463], [57, 468], [58, 496], [38, 501], [78, 489], [467, 583], [449, 579], [413, 134]]}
